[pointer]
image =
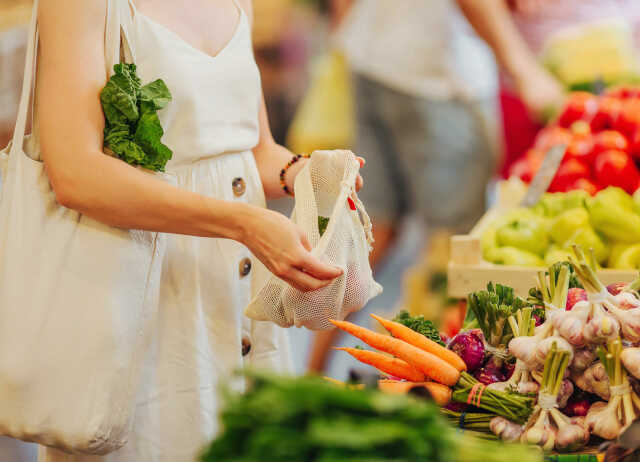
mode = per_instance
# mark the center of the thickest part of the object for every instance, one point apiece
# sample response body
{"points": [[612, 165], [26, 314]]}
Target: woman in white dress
{"points": [[225, 161]]}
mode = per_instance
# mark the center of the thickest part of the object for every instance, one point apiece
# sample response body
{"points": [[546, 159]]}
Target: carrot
{"points": [[416, 339], [387, 364], [430, 365], [441, 394]]}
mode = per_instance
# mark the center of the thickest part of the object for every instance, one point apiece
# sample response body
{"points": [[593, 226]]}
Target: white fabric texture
{"points": [[199, 330], [422, 48], [325, 188], [76, 301]]}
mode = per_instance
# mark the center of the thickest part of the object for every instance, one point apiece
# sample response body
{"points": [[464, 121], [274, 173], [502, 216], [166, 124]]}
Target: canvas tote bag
{"points": [[75, 298]]}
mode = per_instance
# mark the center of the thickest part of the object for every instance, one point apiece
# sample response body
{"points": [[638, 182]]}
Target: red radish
{"points": [[578, 408], [568, 172], [616, 288], [580, 106], [607, 114], [609, 139], [574, 296], [615, 168]]}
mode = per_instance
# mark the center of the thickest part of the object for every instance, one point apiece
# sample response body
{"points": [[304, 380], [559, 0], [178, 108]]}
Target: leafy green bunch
{"points": [[308, 419], [132, 128]]}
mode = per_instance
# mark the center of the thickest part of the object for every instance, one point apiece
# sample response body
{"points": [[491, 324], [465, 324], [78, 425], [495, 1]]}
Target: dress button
{"points": [[246, 346], [239, 186], [245, 266]]}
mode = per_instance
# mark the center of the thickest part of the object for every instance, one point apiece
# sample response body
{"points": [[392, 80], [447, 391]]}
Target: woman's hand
{"points": [[284, 249], [540, 91]]}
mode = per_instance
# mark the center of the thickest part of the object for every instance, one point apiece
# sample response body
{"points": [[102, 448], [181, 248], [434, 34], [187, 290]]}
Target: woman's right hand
{"points": [[284, 249]]}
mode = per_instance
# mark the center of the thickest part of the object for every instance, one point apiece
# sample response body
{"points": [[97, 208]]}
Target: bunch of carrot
{"points": [[414, 357]]}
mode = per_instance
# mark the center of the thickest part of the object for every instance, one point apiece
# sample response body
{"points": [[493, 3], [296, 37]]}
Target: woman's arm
{"points": [[71, 75], [492, 21]]}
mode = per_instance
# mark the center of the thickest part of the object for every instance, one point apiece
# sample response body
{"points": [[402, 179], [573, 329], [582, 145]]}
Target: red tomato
{"points": [[568, 173], [580, 105], [607, 140], [580, 148], [584, 184], [551, 136], [607, 114], [634, 144], [629, 120], [616, 168]]}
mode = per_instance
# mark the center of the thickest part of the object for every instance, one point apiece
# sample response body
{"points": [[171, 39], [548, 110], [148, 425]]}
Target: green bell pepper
{"points": [[587, 238], [555, 254], [528, 234], [553, 204], [627, 257], [565, 224], [513, 256], [611, 213]]}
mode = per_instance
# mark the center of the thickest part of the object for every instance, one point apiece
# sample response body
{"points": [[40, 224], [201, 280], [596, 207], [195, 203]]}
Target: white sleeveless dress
{"points": [[201, 334]]}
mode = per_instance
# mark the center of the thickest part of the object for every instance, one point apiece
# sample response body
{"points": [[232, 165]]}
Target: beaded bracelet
{"points": [[283, 183]]}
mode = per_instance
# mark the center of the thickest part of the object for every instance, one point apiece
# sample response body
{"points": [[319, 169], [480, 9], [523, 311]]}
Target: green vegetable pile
{"points": [[132, 129], [310, 420], [608, 223], [419, 324]]}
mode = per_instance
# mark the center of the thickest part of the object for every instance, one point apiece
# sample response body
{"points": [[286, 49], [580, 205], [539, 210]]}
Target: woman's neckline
{"points": [[236, 32]]}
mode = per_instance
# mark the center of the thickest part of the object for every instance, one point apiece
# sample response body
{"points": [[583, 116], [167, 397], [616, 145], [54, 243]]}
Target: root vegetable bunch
{"points": [[548, 427], [594, 380], [522, 325], [532, 350], [607, 420], [604, 318]]}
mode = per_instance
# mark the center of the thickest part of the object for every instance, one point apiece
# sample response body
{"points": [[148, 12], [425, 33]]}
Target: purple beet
{"points": [[488, 376], [470, 347], [578, 408], [508, 369]]}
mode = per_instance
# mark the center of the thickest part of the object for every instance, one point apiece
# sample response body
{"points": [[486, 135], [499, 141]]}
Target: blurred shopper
{"points": [[520, 32], [425, 89]]}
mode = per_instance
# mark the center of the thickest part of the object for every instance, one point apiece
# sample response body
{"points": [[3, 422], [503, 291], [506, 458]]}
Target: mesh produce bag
{"points": [[324, 188]]}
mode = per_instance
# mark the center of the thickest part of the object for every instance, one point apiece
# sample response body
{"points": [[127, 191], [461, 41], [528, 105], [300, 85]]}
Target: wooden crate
{"points": [[468, 272]]}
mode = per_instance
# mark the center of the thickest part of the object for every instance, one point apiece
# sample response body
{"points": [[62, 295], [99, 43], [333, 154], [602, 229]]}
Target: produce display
{"points": [[602, 135], [309, 419], [608, 223], [559, 370]]}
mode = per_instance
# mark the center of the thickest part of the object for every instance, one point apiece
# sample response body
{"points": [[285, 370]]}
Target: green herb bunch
{"points": [[308, 419], [132, 128], [420, 325]]}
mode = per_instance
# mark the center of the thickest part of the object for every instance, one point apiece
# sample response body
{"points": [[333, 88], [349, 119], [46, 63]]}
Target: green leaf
{"points": [[132, 127]]}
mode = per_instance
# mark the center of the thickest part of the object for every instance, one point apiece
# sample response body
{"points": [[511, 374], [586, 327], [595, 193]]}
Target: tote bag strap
{"points": [[118, 18], [27, 82]]}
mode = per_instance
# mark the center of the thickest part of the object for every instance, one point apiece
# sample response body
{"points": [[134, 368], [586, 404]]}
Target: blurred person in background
{"points": [[522, 33], [426, 108]]}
